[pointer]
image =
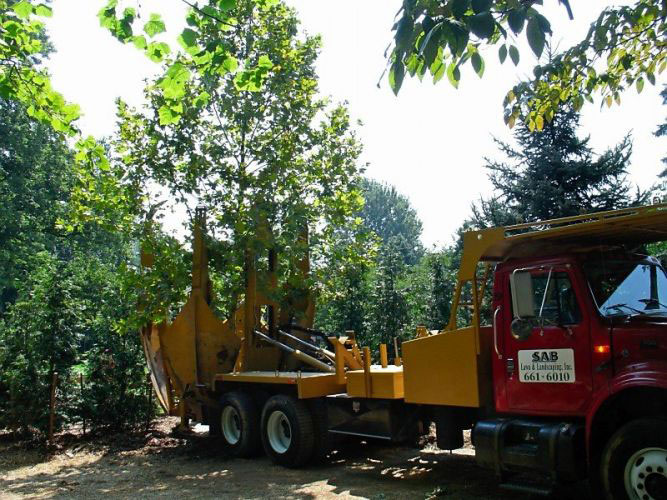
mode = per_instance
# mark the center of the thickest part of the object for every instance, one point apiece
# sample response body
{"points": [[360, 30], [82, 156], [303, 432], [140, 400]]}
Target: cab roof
{"points": [[631, 226]]}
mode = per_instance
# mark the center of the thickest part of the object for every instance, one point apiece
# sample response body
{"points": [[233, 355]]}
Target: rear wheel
{"points": [[239, 425], [287, 431], [634, 462], [322, 439]]}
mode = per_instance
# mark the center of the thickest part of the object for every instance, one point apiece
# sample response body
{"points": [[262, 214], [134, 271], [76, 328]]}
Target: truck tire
{"points": [[634, 462], [287, 431], [239, 425], [322, 438]]}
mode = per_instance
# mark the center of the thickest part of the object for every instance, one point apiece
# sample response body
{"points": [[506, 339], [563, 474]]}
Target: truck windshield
{"points": [[627, 287]]}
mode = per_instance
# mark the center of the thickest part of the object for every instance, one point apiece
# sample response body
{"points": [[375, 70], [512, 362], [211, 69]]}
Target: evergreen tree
{"points": [[388, 309], [555, 173], [35, 179], [392, 218], [441, 290]]}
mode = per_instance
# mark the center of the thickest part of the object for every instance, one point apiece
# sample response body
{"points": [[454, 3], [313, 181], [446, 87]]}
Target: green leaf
{"points": [[188, 39], [155, 26], [479, 6], [174, 81], [404, 31], [482, 25], [227, 5], [516, 20], [396, 75], [477, 64], [438, 70], [640, 85], [544, 23], [230, 64], [43, 10], [459, 8], [502, 53], [23, 9], [651, 78], [140, 42], [167, 116], [265, 62], [514, 55], [536, 38], [202, 99], [158, 51], [454, 75]]}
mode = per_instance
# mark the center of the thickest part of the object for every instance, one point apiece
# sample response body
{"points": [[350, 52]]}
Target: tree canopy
{"points": [[267, 164], [392, 218], [624, 48], [555, 173]]}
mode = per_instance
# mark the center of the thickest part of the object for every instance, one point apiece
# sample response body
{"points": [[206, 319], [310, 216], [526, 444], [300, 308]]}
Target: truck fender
{"points": [[639, 390]]}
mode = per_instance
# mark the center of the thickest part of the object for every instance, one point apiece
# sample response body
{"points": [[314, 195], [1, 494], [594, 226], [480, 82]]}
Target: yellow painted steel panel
{"points": [[315, 387], [386, 383], [442, 369], [309, 384], [197, 345]]}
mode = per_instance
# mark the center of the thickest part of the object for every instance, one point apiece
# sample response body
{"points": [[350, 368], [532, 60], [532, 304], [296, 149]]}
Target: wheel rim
{"points": [[646, 475], [279, 431], [231, 425]]}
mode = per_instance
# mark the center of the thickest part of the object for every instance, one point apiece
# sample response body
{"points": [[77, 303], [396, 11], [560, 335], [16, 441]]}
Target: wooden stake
{"points": [[52, 407], [82, 398]]}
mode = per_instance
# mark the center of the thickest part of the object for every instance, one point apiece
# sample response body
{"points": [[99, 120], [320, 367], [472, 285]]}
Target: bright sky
{"points": [[429, 141]]}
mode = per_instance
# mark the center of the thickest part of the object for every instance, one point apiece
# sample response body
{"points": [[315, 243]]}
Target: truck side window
{"points": [[560, 306]]}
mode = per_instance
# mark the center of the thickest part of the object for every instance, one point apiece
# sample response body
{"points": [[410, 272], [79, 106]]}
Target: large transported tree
{"points": [[262, 152]]}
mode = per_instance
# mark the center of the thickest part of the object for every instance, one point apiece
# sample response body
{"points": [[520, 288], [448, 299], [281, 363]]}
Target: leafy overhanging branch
{"points": [[624, 47]]}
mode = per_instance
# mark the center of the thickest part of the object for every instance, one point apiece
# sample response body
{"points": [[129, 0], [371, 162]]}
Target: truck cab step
{"points": [[532, 489]]}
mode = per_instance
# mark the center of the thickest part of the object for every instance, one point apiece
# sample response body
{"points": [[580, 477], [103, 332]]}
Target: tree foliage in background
{"points": [[661, 131], [390, 216], [35, 181], [554, 173], [67, 297], [624, 48], [402, 286]]}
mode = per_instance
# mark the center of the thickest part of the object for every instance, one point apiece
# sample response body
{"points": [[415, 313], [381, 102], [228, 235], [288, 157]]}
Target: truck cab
{"points": [[595, 318], [580, 362]]}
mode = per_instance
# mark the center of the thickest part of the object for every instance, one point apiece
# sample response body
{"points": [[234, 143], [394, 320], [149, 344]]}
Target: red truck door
{"points": [[549, 371]]}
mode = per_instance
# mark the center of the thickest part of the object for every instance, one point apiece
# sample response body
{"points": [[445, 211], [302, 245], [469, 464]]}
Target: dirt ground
{"points": [[158, 464]]}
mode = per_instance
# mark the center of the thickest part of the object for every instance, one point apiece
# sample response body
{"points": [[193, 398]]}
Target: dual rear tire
{"points": [[239, 422], [290, 431], [287, 431]]}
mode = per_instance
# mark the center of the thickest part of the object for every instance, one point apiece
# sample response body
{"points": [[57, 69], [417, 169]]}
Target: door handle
{"points": [[495, 332]]}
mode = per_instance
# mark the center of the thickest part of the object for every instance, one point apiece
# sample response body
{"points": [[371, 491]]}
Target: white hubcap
{"points": [[279, 431], [646, 475], [231, 425]]}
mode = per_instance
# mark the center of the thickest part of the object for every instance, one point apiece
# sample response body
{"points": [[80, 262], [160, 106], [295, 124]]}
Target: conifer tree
{"points": [[555, 173]]}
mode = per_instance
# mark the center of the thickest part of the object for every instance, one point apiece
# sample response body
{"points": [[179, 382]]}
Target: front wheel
{"points": [[634, 462]]}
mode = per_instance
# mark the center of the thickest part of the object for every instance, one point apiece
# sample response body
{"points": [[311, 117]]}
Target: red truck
{"points": [[567, 382]]}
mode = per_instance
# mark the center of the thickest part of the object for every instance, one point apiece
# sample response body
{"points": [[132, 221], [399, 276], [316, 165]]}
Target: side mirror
{"points": [[522, 328], [521, 285]]}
